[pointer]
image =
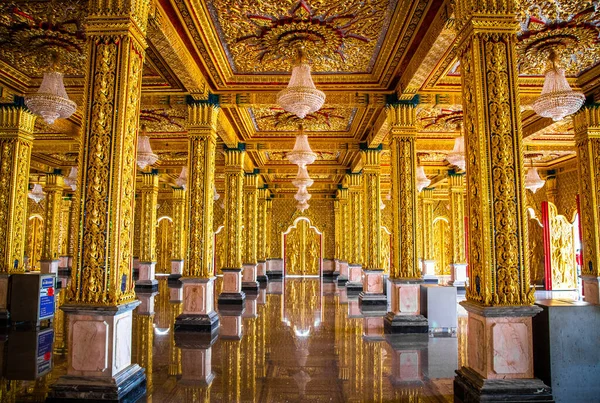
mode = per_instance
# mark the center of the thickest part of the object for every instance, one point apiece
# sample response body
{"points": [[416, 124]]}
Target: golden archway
{"points": [[442, 246], [302, 249], [35, 239], [164, 244]]}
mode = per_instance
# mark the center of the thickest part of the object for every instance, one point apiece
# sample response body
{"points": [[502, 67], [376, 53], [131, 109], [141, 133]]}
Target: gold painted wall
{"points": [[320, 214], [566, 203]]}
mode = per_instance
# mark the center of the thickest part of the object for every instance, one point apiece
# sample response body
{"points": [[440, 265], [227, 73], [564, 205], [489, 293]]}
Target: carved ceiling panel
{"points": [[326, 119]]}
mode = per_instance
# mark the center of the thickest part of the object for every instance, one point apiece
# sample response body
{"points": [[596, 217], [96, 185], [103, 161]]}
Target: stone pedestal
{"points": [[49, 266], [409, 355], [63, 262], [232, 296], [250, 307], [372, 297], [429, 271], [405, 315], [99, 356], [198, 306], [459, 275], [328, 268], [591, 287], [249, 283], [275, 287], [261, 271], [373, 328], [231, 327], [261, 299], [342, 279], [274, 268], [196, 367], [176, 293], [354, 284], [499, 356], [176, 269], [353, 308], [336, 267], [146, 277], [146, 302]]}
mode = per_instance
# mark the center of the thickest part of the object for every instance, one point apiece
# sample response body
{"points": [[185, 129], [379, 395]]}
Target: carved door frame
{"points": [[284, 243]]}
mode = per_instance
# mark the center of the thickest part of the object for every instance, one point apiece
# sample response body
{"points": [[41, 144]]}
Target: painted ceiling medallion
{"points": [[325, 119]]}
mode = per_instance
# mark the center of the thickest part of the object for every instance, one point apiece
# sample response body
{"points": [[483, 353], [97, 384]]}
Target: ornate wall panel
{"points": [[302, 250], [568, 187], [35, 241], [562, 251], [164, 245], [536, 249], [442, 246]]}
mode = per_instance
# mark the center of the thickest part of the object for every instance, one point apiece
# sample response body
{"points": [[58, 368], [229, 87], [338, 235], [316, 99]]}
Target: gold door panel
{"points": [[302, 250]]}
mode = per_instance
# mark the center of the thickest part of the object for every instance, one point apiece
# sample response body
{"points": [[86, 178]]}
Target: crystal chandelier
{"points": [[216, 195], [51, 101], [71, 180], [533, 181], [36, 193], [381, 204], [181, 181], [301, 97], [422, 180], [457, 156], [302, 206], [557, 99], [302, 178], [145, 156], [302, 195], [302, 154]]}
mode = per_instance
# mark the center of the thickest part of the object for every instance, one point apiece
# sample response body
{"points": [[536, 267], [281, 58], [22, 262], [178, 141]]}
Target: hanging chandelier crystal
{"points": [[381, 204], [422, 180], [457, 156], [533, 181], [71, 180], [145, 156], [302, 154], [181, 181], [302, 206], [216, 195], [51, 102], [302, 195], [302, 178], [557, 100], [301, 97], [36, 194]]}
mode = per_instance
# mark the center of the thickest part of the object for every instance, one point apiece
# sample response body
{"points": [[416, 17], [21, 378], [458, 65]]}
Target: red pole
{"points": [[547, 254]]}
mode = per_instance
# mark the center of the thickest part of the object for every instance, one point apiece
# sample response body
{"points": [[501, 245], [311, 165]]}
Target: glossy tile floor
{"points": [[302, 341]]}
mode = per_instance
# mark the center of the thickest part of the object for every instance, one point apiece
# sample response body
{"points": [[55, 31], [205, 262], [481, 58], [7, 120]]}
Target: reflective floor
{"points": [[302, 340]]}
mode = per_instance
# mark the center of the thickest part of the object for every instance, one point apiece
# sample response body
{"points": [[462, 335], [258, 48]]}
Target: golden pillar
{"points": [[405, 274], [64, 232], [356, 240], [16, 141], [198, 275], [174, 368], [53, 214], [250, 233], [232, 293], [147, 259], [344, 230], [101, 294], [231, 365], [269, 224], [261, 235], [143, 333], [427, 203], [179, 250], [456, 194], [587, 139], [499, 297], [372, 295]]}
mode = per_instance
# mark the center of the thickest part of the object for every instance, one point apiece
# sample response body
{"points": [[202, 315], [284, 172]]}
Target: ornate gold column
{"points": [[587, 139], [344, 235], [64, 233], [405, 274], [148, 201], [143, 333], [101, 295], [456, 194], [356, 255], [232, 293], [16, 141], [269, 224], [428, 268], [54, 191], [499, 297], [179, 250], [261, 237], [250, 233], [372, 296], [198, 275]]}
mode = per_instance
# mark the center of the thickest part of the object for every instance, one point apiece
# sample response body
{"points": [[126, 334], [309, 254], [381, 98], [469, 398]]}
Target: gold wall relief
{"points": [[371, 217], [302, 249], [536, 249], [220, 250], [250, 216], [179, 209], [442, 246], [35, 241], [148, 203], [386, 244], [164, 244], [52, 218], [65, 226], [456, 193], [562, 251], [234, 183]]}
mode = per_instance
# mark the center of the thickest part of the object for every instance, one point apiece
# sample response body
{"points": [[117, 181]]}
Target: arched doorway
{"points": [[302, 249], [164, 244], [442, 246], [35, 239]]}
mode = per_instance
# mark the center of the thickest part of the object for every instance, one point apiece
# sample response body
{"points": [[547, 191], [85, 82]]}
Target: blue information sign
{"points": [[44, 355], [47, 298]]}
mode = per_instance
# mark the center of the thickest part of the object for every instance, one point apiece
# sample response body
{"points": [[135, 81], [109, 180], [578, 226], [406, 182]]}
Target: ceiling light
{"points": [[302, 206], [51, 102], [181, 181], [301, 97], [216, 195], [302, 178], [302, 195], [533, 181], [381, 204], [71, 180], [557, 99], [145, 156], [457, 156], [36, 194], [422, 180], [301, 154]]}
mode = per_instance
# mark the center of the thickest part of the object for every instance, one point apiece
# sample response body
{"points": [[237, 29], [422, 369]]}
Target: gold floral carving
{"points": [[261, 236], [536, 250], [372, 209], [404, 192], [562, 251], [250, 219], [35, 240], [116, 46], [16, 129], [302, 250], [148, 203], [164, 245], [179, 224], [442, 245], [355, 213], [234, 182], [53, 189], [587, 140], [65, 226], [456, 193], [386, 243], [499, 264], [428, 205]]}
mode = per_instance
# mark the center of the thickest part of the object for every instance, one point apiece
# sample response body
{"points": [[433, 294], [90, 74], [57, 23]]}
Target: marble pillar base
{"points": [[428, 267], [232, 297], [372, 297], [146, 302], [176, 269], [373, 328], [49, 266], [128, 386], [146, 278], [328, 268], [405, 315], [401, 324], [354, 284], [459, 275], [591, 289], [198, 313], [469, 387], [231, 327], [4, 314], [336, 267], [249, 283], [250, 307], [261, 271], [196, 367], [342, 278], [274, 268], [372, 302], [63, 262]]}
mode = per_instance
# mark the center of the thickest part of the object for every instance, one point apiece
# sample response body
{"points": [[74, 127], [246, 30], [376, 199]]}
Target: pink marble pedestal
{"points": [[591, 289], [458, 275], [176, 269], [372, 297], [198, 306], [499, 354], [231, 327], [196, 367], [342, 279], [232, 297], [249, 283], [405, 314], [261, 271], [354, 283], [49, 266], [147, 277]]}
